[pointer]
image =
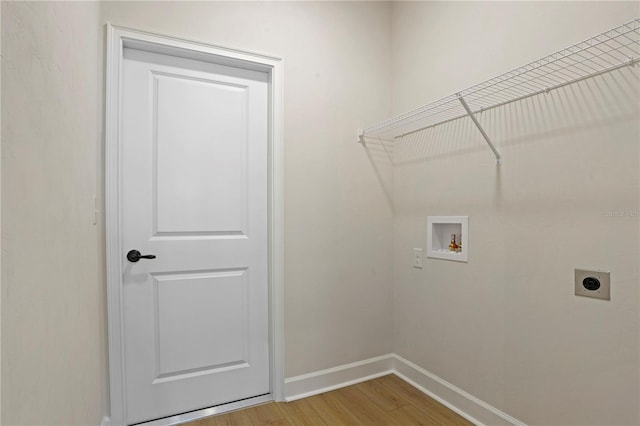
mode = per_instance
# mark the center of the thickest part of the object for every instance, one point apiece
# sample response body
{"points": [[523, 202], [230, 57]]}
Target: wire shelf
{"points": [[603, 53]]}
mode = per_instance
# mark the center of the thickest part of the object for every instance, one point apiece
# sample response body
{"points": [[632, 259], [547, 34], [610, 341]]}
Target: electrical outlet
{"points": [[592, 283], [417, 258]]}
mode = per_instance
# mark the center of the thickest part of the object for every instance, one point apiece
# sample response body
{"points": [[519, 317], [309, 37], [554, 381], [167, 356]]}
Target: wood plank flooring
{"points": [[387, 400]]}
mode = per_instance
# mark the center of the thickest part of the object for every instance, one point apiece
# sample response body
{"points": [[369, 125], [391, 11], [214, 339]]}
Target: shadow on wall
{"points": [[380, 154], [598, 102]]}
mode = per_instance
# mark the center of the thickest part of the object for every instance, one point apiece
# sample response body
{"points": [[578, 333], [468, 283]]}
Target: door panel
{"points": [[197, 311], [194, 194], [197, 175]]}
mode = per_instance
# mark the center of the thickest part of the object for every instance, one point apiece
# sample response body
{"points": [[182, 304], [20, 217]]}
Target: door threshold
{"points": [[208, 412]]}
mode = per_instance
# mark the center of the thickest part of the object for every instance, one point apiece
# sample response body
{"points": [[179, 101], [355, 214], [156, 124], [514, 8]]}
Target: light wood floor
{"points": [[387, 400]]}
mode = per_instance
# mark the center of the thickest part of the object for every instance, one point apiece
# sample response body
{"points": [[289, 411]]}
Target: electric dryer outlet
{"points": [[593, 283]]}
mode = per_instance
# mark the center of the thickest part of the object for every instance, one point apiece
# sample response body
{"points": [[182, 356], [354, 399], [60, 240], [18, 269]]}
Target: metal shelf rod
{"points": [[477, 123]]}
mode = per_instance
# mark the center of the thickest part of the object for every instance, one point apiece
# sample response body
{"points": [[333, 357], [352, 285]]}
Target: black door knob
{"points": [[135, 255]]}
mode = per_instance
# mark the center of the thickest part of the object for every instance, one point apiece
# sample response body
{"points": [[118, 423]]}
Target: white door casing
{"points": [[165, 185]]}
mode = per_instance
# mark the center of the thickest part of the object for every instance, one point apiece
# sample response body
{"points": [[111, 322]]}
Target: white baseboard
{"points": [[451, 396], [106, 421], [338, 377], [463, 403]]}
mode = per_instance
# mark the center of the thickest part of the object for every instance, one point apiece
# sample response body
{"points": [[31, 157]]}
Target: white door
{"points": [[194, 194]]}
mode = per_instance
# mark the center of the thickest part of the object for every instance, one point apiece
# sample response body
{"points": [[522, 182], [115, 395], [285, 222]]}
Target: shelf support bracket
{"points": [[361, 137], [477, 123]]}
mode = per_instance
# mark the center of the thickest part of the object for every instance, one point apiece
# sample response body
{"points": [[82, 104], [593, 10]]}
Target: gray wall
{"points": [[337, 216], [336, 75], [506, 327], [53, 344]]}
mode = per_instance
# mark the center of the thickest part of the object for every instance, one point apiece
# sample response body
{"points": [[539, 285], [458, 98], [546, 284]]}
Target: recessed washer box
{"points": [[439, 231]]}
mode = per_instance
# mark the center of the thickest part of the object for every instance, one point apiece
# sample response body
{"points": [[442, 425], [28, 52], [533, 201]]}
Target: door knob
{"points": [[135, 255]]}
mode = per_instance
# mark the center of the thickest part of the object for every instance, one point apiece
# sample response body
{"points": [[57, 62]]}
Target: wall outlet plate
{"points": [[417, 258], [593, 283]]}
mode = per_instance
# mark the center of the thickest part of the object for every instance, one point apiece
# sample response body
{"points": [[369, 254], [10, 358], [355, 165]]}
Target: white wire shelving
{"points": [[606, 52]]}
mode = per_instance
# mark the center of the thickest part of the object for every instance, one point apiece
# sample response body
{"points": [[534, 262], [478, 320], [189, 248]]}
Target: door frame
{"points": [[117, 39]]}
